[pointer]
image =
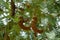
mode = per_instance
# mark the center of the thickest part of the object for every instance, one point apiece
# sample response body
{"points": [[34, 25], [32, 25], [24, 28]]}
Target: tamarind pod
{"points": [[33, 25], [23, 27], [35, 29], [21, 24], [12, 8]]}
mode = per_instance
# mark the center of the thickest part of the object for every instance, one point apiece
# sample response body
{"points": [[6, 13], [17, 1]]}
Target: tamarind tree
{"points": [[29, 19]]}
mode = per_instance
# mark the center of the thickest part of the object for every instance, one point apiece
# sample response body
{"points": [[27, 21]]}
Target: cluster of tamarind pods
{"points": [[32, 25], [20, 23]]}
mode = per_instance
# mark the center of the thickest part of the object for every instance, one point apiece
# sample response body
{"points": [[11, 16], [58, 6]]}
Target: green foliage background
{"points": [[47, 11]]}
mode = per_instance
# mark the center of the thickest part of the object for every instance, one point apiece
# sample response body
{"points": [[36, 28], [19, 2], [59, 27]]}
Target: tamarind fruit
{"points": [[33, 25], [12, 8], [21, 24]]}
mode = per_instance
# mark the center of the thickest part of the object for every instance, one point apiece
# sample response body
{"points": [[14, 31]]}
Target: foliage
{"points": [[29, 19]]}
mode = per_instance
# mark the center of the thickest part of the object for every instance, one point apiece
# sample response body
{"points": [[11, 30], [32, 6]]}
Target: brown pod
{"points": [[33, 25], [36, 30], [12, 8], [21, 24]]}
